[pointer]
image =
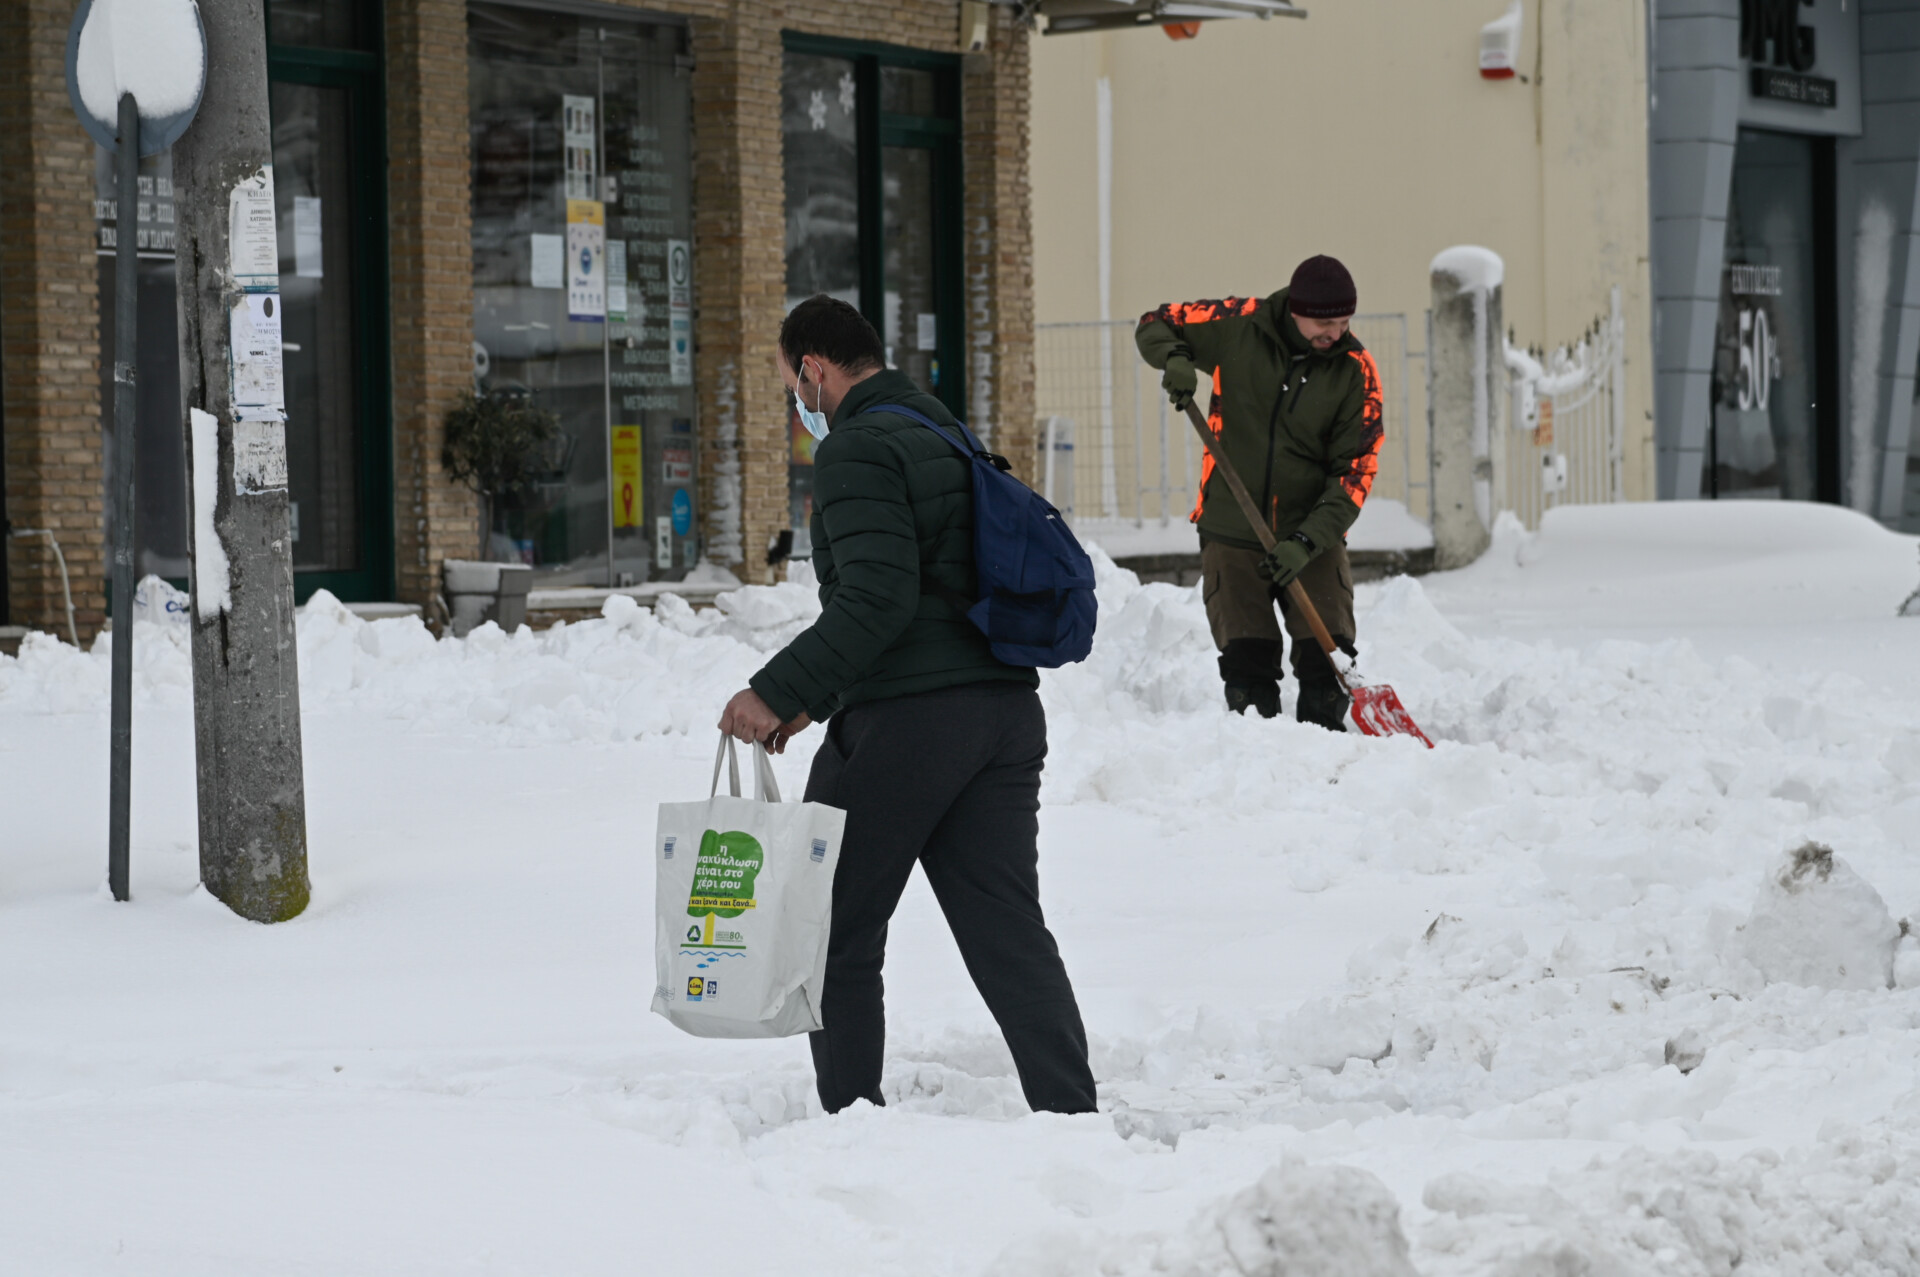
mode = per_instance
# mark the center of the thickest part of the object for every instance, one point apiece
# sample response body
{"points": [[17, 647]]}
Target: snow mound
{"points": [[1386, 524], [1817, 923], [1745, 529], [1473, 266], [1295, 1221], [1841, 1206], [1306, 1221]]}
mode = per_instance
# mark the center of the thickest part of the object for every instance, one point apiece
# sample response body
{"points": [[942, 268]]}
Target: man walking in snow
{"points": [[1296, 406], [934, 746]]}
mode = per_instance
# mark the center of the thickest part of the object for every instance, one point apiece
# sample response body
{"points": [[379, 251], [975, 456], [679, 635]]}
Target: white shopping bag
{"points": [[742, 905]]}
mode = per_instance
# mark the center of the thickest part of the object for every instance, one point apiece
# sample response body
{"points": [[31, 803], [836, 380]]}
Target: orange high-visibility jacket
{"points": [[1302, 427]]}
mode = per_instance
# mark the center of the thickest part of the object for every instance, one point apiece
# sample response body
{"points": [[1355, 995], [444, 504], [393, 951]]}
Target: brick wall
{"points": [[430, 250], [47, 306], [49, 326], [999, 232], [739, 259], [739, 209]]}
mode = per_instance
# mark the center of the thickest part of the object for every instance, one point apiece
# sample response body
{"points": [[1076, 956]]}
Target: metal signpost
{"points": [[128, 137]]}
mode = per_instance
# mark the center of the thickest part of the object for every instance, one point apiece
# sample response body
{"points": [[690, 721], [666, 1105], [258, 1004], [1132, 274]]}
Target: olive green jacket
{"points": [[1301, 427], [892, 542]]}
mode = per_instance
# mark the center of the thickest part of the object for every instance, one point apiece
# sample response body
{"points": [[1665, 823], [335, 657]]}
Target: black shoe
{"points": [[1251, 670], [1323, 704], [1264, 697]]}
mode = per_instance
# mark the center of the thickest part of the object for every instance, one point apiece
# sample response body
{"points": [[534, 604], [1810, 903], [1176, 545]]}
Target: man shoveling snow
{"points": [[1297, 408]]}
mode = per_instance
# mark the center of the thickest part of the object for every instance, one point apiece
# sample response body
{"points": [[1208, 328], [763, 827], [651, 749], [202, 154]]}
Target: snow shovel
{"points": [[1377, 710]]}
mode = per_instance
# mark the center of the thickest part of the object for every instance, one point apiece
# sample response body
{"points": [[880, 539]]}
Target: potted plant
{"points": [[496, 444]]}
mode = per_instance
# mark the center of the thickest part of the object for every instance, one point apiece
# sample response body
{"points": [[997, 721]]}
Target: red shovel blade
{"points": [[1378, 712]]}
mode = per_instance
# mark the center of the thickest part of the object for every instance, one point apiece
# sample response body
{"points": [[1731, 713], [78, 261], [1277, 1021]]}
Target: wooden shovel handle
{"points": [[1260, 529]]}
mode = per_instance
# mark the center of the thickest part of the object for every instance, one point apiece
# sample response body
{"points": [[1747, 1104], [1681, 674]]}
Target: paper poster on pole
{"points": [[617, 279], [628, 503], [549, 256], [679, 312], [260, 457], [306, 237], [586, 261], [253, 238], [259, 392], [581, 140]]}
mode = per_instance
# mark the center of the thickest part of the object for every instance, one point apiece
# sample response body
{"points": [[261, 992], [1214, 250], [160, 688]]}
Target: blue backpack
{"points": [[1036, 603]]}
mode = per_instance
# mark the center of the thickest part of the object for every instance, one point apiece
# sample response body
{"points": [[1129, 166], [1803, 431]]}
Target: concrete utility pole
{"points": [[1468, 373], [246, 688]]}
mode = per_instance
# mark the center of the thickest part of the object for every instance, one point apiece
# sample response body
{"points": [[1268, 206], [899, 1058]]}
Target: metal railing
{"points": [[1568, 442], [1113, 450]]}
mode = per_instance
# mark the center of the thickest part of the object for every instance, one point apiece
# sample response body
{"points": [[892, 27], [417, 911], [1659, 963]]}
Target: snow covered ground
{"points": [[1556, 993]]}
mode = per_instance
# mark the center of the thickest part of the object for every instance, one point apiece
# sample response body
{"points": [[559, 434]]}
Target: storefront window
{"points": [[160, 479], [312, 191], [1766, 430], [582, 278]]}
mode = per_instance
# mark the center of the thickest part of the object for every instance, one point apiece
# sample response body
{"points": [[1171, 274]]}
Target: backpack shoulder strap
{"points": [[972, 448]]}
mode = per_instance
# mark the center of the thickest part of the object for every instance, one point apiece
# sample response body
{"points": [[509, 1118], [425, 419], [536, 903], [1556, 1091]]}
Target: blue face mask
{"points": [[812, 418]]}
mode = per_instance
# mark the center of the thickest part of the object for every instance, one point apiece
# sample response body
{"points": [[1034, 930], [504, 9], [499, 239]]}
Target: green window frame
{"points": [[940, 133]]}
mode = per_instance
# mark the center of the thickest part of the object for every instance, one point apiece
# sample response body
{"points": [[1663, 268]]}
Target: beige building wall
{"points": [[1364, 131]]}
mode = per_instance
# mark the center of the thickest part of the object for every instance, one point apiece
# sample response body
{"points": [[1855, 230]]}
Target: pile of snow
{"points": [[1818, 923], [1847, 1204], [1295, 1221], [1476, 268]]}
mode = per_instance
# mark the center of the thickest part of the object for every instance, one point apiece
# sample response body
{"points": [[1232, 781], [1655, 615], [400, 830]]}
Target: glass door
{"points": [[313, 195], [582, 284], [329, 167], [1774, 430], [871, 149]]}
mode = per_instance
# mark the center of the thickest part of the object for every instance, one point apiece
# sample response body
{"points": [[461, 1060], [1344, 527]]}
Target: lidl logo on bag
{"points": [[696, 988]]}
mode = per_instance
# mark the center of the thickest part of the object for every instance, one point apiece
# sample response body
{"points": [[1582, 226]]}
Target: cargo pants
{"points": [[1240, 605]]}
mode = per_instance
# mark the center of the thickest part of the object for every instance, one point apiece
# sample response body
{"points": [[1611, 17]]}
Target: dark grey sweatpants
{"points": [[950, 779]]}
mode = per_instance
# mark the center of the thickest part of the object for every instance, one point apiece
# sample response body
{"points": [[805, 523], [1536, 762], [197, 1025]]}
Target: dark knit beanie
{"points": [[1322, 289]]}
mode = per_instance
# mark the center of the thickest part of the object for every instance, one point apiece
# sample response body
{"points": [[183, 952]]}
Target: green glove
{"points": [[1180, 381], [1285, 560]]}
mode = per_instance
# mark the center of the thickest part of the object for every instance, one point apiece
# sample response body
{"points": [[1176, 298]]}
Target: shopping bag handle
{"points": [[764, 782]]}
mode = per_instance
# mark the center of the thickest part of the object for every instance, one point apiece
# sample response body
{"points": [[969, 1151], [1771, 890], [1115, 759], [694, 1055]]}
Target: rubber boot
{"points": [[1250, 668], [1322, 701]]}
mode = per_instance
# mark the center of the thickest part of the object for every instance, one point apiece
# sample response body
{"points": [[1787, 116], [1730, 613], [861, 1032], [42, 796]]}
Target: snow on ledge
{"points": [[1475, 267]]}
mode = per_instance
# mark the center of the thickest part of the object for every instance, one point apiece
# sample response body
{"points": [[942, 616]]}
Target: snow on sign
{"points": [[153, 49]]}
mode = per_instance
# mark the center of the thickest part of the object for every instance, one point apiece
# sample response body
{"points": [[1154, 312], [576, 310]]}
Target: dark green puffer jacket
{"points": [[1302, 427], [892, 540]]}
